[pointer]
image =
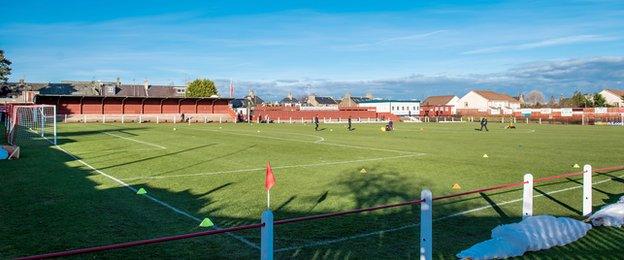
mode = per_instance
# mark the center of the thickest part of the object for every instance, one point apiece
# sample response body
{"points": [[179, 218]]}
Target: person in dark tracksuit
{"points": [[349, 124], [484, 123], [316, 123]]}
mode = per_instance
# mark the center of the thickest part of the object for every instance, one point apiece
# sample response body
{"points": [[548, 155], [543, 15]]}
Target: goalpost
{"points": [[31, 124]]}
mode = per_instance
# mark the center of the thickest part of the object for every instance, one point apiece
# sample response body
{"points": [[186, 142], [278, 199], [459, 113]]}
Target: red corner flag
{"points": [[269, 179]]}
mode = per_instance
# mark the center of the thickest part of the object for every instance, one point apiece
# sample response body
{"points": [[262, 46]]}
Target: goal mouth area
{"points": [[28, 124]]}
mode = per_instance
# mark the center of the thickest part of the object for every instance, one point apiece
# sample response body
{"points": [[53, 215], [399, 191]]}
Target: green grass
{"points": [[51, 201]]}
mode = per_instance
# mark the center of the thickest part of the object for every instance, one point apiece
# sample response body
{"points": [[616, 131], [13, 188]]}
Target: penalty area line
{"points": [[273, 167], [378, 232], [157, 201], [135, 140]]}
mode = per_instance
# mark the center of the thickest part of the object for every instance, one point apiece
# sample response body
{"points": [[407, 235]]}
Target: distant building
{"points": [[439, 105], [91, 88], [487, 101], [614, 97], [317, 101], [255, 100], [350, 101], [289, 101], [396, 107]]}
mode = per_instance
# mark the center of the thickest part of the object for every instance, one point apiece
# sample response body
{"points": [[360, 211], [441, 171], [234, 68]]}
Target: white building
{"points": [[614, 97], [487, 101], [397, 107]]}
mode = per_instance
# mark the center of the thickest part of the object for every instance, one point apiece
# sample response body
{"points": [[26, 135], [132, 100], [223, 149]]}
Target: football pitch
{"points": [[83, 193]]}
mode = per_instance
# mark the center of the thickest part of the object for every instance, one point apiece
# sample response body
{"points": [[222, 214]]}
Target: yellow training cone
{"points": [[576, 165], [456, 186], [363, 170], [485, 156]]}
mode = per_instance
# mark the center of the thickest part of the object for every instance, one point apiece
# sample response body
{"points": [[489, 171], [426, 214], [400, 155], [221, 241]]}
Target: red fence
{"points": [[284, 114]]}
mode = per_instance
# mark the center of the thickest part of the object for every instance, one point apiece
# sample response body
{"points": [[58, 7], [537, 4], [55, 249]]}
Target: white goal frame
{"points": [[36, 119]]}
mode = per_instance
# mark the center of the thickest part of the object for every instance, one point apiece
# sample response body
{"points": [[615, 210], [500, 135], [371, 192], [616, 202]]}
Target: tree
{"points": [[5, 67], [535, 97], [599, 100], [579, 100], [201, 88]]}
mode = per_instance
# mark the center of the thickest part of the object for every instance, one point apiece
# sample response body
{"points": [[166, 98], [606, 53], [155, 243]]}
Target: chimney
{"points": [[290, 96]]}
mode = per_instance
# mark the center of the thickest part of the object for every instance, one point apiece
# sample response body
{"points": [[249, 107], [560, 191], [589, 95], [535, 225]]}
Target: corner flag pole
{"points": [[269, 181]]}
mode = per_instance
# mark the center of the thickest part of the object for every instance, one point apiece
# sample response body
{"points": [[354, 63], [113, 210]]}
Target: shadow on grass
{"points": [[63, 206]]}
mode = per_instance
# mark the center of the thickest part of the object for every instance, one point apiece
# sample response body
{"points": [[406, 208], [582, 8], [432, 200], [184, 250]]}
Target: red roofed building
{"points": [[439, 106]]}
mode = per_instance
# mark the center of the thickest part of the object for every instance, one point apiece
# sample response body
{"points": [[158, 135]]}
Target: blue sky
{"points": [[398, 49]]}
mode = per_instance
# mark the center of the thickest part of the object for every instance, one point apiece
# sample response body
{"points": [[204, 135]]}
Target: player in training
{"points": [[316, 123], [349, 124], [484, 123]]}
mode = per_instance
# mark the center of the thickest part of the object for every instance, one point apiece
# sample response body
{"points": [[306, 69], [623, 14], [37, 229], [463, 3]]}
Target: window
{"points": [[465, 104], [110, 90], [392, 108], [180, 90]]}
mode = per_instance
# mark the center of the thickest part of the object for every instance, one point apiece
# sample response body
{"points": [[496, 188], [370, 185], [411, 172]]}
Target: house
{"points": [[289, 101], [439, 106], [255, 100], [317, 101], [92, 88], [487, 101], [350, 101], [396, 107], [614, 97]]}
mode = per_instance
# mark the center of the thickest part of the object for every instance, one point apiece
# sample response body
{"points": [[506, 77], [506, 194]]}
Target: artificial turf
{"points": [[51, 201]]}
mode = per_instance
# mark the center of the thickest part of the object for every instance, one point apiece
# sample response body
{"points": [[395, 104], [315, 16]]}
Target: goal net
{"points": [[31, 124]]}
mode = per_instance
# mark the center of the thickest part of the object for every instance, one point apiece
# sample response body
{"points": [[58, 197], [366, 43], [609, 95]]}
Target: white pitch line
{"points": [[333, 241], [273, 167], [312, 142], [160, 202], [135, 140]]}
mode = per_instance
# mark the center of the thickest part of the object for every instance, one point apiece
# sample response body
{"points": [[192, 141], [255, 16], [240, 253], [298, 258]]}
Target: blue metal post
{"points": [[266, 236]]}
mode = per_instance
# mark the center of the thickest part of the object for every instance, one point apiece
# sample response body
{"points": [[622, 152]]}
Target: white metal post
{"points": [[527, 196], [587, 190], [54, 121], [42, 122], [426, 224], [157, 119]]}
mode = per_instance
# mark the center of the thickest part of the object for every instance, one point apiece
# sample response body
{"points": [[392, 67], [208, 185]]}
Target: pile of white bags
{"points": [[531, 234], [610, 215]]}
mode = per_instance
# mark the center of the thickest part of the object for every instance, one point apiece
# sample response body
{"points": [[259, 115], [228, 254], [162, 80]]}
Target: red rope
{"points": [[142, 242], [342, 213]]}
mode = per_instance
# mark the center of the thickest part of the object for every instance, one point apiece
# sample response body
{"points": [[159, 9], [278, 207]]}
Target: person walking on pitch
{"points": [[484, 123], [349, 124], [316, 123]]}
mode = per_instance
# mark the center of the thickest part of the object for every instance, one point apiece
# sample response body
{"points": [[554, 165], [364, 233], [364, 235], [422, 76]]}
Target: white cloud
{"points": [[552, 77], [544, 43]]}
